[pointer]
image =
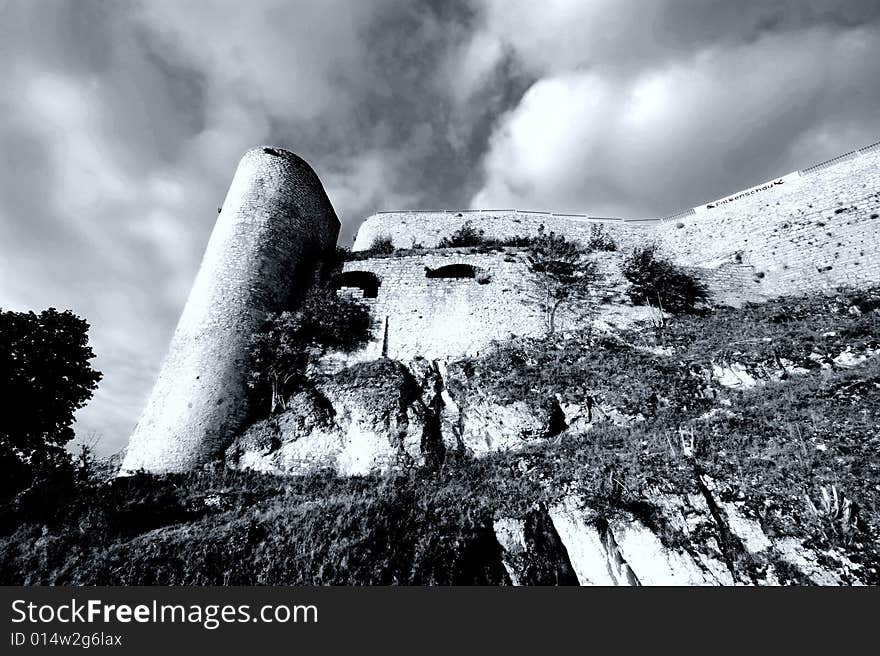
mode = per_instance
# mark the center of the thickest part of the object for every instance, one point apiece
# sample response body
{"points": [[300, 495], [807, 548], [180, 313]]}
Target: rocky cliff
{"points": [[734, 448]]}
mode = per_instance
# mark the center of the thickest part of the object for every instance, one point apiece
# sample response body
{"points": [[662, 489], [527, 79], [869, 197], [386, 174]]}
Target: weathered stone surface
{"points": [[489, 427], [531, 550], [350, 424], [391, 415], [704, 541], [814, 232], [427, 228], [436, 318]]}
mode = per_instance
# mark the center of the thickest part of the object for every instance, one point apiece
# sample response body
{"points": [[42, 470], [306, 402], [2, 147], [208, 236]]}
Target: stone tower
{"points": [[275, 223]]}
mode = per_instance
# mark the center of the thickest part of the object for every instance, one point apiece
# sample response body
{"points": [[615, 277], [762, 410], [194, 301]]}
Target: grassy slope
{"points": [[774, 447]]}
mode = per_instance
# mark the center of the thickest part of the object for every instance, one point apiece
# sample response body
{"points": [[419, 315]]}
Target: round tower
{"points": [[275, 224]]}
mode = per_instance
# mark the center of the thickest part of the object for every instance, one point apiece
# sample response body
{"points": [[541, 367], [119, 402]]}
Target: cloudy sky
{"points": [[121, 123]]}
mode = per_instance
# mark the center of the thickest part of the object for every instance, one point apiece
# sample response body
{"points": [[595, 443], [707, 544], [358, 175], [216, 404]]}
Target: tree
{"points": [[45, 377], [282, 350], [563, 274], [657, 281]]}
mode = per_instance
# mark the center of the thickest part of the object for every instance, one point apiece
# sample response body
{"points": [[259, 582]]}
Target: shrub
{"points": [[382, 245], [466, 235], [517, 241], [657, 281], [600, 239], [289, 341]]}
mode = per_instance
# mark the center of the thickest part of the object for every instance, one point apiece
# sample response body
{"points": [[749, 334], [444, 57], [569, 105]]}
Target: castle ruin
{"points": [[811, 230]]}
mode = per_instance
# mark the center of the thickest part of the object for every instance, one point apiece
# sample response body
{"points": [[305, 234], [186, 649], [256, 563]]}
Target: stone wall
{"points": [[730, 283], [440, 317], [408, 229], [811, 229], [417, 315], [818, 231], [275, 223], [801, 232]]}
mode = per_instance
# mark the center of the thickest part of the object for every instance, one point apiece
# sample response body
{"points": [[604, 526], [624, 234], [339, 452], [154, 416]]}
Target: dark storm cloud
{"points": [[123, 122]]}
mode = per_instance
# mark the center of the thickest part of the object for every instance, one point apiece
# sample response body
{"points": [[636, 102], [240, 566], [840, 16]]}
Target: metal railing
{"points": [[830, 162], [558, 215], [679, 215], [853, 154]]}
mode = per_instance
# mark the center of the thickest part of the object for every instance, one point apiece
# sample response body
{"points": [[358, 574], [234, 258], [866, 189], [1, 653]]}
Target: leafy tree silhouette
{"points": [[45, 377], [657, 281], [563, 274]]}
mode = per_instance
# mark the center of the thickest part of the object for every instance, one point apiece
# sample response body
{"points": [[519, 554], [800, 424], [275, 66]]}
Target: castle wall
{"points": [[275, 221], [408, 229], [730, 283], [448, 317], [814, 229], [817, 231], [805, 231], [437, 317]]}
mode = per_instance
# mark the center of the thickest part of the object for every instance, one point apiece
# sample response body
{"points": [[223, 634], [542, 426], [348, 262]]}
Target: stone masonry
{"points": [[276, 222], [818, 231], [426, 229]]}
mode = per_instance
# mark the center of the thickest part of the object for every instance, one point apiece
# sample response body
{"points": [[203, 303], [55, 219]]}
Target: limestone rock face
{"points": [[489, 426], [302, 437], [693, 540], [382, 415], [370, 419], [532, 552]]}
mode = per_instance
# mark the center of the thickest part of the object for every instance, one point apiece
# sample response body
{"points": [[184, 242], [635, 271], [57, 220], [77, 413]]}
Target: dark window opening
{"points": [[452, 271], [366, 281]]}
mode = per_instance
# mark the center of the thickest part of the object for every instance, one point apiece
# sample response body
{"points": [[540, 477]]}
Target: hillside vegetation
{"points": [[764, 417]]}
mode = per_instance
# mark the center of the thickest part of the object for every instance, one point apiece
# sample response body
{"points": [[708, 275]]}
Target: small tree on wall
{"points": [[601, 239], [382, 245], [563, 274], [656, 281], [466, 235]]}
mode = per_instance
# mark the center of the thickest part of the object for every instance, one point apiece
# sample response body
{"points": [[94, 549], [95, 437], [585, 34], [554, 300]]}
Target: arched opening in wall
{"points": [[367, 281], [452, 271]]}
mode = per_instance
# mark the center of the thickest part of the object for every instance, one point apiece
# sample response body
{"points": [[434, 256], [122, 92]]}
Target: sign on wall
{"points": [[767, 186]]}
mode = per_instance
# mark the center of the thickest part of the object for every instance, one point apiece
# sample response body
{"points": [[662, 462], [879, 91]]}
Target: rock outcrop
{"points": [[370, 417], [692, 539], [383, 415]]}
